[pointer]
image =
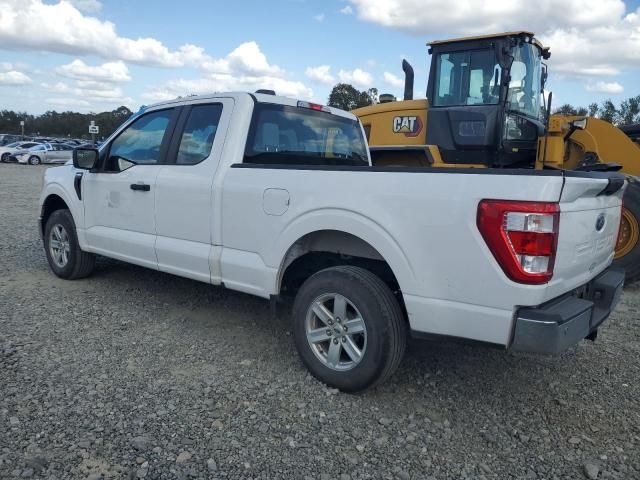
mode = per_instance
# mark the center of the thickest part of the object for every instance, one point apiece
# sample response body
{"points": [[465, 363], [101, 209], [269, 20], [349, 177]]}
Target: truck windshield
{"points": [[282, 134], [525, 88], [467, 78]]}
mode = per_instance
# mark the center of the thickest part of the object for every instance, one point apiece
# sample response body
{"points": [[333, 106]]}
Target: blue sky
{"points": [[91, 55]]}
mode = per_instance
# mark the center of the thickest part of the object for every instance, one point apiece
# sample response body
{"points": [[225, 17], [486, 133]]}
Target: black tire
{"points": [[631, 261], [34, 160], [386, 329], [4, 158], [79, 264]]}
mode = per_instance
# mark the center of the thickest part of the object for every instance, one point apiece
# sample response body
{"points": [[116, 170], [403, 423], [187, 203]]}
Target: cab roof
{"points": [[259, 97], [518, 33]]}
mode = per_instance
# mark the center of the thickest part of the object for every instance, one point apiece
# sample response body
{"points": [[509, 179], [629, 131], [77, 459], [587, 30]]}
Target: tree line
{"points": [[625, 113], [62, 124]]}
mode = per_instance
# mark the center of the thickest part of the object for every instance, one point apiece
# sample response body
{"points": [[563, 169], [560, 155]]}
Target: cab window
{"points": [[467, 78], [140, 143], [288, 135], [198, 134]]}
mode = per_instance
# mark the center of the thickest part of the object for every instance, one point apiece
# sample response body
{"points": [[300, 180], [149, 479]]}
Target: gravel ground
{"points": [[134, 373]]}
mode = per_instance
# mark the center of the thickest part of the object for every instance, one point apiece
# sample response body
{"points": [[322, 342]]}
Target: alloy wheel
{"points": [[336, 331], [59, 245]]}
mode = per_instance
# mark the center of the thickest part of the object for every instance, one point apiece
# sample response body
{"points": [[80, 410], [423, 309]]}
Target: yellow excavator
{"points": [[485, 109]]}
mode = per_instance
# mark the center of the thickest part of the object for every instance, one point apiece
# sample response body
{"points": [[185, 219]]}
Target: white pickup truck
{"points": [[278, 198]]}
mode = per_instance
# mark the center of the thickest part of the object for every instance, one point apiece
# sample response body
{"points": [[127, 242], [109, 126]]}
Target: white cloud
{"points": [[245, 59], [357, 77], [224, 82], [67, 103], [62, 28], [245, 68], [587, 37], [159, 95], [107, 72], [90, 91], [33, 25], [14, 78], [393, 80], [319, 18], [59, 87], [6, 66], [426, 17], [604, 87], [89, 6], [321, 73], [347, 10]]}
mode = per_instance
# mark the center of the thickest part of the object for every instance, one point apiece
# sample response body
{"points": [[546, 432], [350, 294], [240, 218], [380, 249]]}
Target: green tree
{"points": [[608, 111], [347, 97], [593, 109], [63, 124], [629, 111], [566, 109]]}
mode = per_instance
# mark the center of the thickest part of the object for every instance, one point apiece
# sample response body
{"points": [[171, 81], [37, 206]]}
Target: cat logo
{"points": [[410, 126]]}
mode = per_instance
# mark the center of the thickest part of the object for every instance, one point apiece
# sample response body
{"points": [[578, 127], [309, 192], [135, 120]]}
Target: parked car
{"points": [[45, 153], [277, 198], [7, 138], [12, 148]]}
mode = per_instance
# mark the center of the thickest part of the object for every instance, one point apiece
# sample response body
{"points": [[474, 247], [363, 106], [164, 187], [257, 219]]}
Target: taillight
{"points": [[522, 236]]}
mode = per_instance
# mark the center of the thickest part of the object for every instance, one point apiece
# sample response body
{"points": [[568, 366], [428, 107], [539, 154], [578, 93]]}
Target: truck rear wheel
{"points": [[349, 328], [628, 246], [65, 257]]}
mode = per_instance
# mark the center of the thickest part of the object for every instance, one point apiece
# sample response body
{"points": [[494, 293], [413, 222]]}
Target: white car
{"points": [[8, 150], [277, 198], [45, 153]]}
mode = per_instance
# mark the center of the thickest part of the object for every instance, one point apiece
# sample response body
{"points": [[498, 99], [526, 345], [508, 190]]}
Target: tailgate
{"points": [[590, 209]]}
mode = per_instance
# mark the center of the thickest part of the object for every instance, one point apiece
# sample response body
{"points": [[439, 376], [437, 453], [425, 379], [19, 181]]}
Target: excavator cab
{"points": [[485, 99]]}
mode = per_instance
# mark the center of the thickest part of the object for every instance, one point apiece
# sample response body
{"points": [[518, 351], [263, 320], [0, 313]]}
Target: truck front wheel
{"points": [[628, 246], [65, 257], [349, 328]]}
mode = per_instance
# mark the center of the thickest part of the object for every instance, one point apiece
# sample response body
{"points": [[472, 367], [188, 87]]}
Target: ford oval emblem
{"points": [[600, 222]]}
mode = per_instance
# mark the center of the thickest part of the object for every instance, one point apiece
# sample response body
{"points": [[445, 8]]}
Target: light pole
{"points": [[22, 128]]}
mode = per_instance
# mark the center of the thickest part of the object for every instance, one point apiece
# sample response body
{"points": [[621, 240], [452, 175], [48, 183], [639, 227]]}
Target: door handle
{"points": [[143, 187]]}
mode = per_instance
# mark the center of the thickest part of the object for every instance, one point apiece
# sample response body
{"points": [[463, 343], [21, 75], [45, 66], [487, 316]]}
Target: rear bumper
{"points": [[560, 323]]}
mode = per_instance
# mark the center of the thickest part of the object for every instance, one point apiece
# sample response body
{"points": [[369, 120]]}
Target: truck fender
{"points": [[346, 221]]}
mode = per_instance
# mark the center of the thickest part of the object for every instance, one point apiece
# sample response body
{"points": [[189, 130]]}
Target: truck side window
{"points": [[198, 135], [140, 142], [288, 135]]}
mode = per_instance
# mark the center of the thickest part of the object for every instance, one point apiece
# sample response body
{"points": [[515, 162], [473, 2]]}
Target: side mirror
{"points": [[544, 76], [85, 158]]}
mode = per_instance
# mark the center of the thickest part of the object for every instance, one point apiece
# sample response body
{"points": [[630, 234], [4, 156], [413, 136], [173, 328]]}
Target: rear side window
{"points": [[198, 134], [288, 135]]}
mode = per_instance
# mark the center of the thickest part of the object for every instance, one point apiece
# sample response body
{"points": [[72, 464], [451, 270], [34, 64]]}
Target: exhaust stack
{"points": [[408, 80]]}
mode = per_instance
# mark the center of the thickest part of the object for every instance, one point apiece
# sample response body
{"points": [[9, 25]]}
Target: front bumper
{"points": [[562, 322]]}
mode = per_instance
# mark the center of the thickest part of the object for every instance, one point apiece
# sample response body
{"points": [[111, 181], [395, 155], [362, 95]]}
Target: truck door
{"points": [[185, 191], [119, 199]]}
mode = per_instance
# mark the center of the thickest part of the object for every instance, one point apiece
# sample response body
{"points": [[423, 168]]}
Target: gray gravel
{"points": [[133, 373]]}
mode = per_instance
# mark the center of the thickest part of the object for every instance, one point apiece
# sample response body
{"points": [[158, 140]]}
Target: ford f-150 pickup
{"points": [[278, 198]]}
